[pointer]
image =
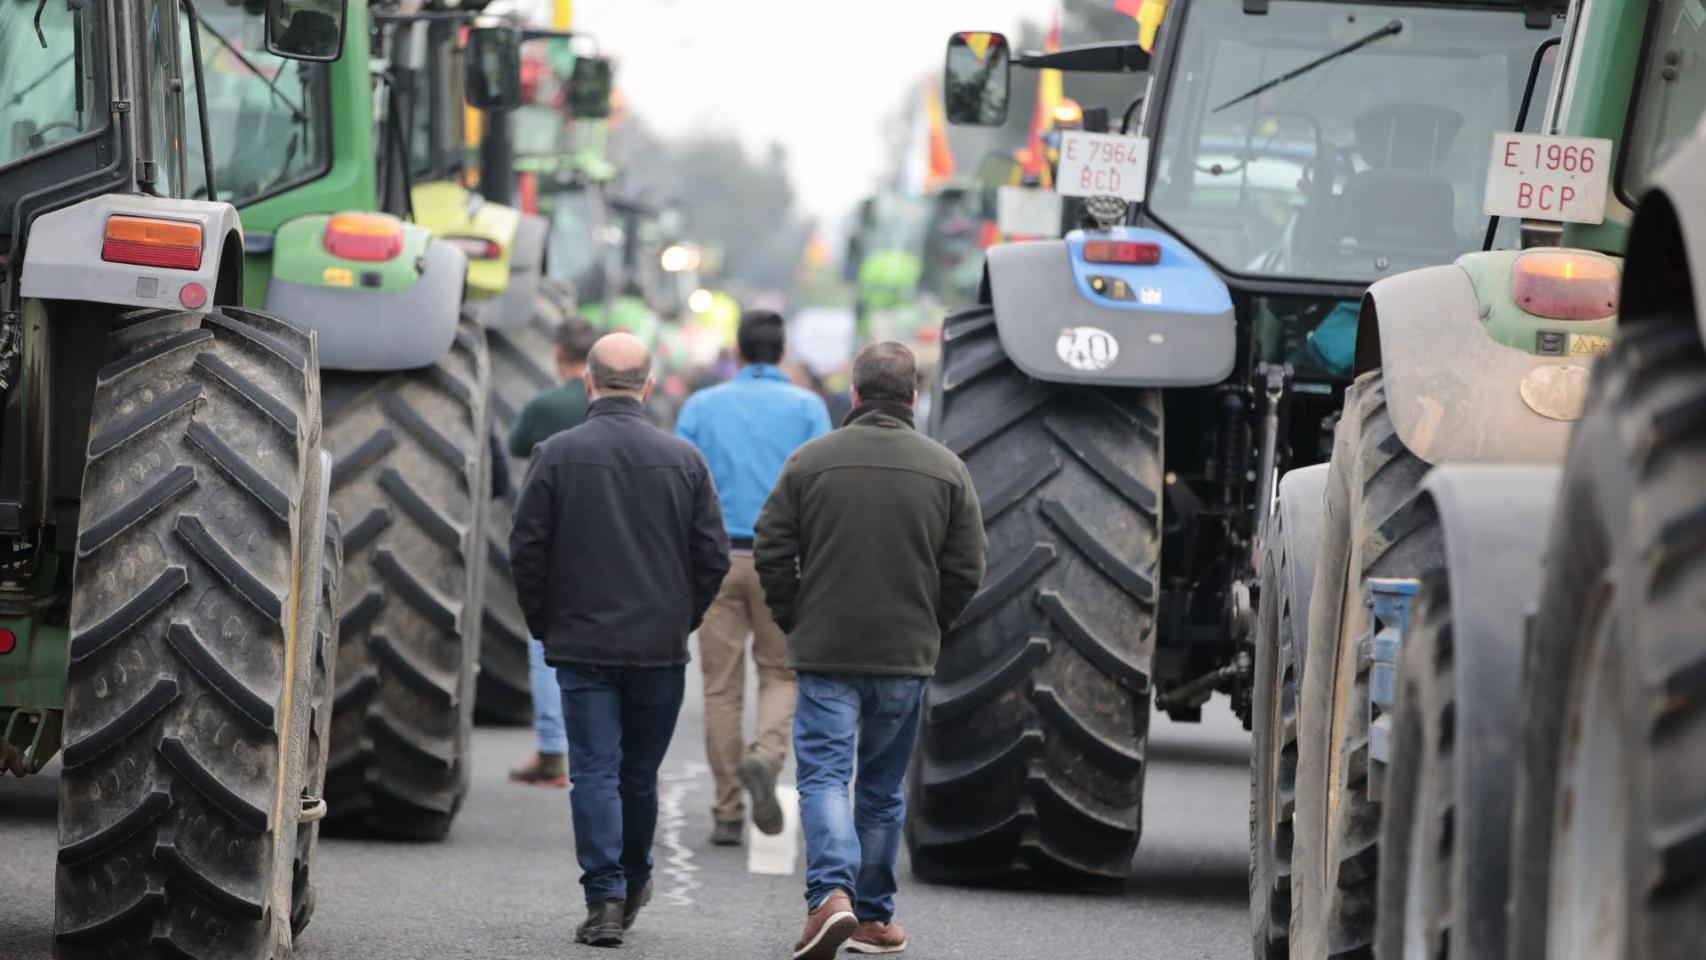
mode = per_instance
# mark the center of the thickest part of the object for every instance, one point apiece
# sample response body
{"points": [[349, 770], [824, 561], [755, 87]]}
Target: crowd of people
{"points": [[835, 558]]}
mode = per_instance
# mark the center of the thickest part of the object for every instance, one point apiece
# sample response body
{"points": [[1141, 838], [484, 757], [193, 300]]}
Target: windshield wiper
{"points": [[296, 111], [1392, 28]]}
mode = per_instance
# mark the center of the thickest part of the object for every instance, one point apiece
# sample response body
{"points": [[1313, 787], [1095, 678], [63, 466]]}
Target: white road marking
{"points": [[679, 876], [775, 855]]}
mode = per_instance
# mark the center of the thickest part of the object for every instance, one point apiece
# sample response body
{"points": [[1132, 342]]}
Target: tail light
{"points": [[477, 248], [148, 242], [369, 237], [1122, 251], [1565, 286]]}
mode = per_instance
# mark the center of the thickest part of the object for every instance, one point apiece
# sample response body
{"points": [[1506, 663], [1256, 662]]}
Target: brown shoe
{"points": [[874, 937], [828, 925], [543, 770]]}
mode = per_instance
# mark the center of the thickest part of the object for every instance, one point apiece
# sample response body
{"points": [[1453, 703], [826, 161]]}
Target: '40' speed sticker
{"points": [[1087, 349]]}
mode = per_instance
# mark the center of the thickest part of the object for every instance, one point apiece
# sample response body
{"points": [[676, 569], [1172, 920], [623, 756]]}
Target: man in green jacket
{"points": [[868, 548]]}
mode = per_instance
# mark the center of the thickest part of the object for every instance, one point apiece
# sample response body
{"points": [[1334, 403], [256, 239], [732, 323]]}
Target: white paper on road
{"points": [[775, 856]]}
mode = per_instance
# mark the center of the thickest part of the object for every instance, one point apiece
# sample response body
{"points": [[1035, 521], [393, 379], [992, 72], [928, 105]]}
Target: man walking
{"points": [[868, 549], [618, 549], [746, 429], [550, 413]]}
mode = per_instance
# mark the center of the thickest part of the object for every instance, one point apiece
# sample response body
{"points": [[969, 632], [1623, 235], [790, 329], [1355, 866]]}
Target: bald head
{"points": [[619, 365]]}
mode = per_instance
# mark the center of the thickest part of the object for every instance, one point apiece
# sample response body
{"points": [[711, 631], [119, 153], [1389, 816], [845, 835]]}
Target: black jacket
{"points": [[618, 546], [869, 547]]}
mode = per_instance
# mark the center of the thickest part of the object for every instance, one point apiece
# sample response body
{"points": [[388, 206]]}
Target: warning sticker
{"points": [[1588, 345]]}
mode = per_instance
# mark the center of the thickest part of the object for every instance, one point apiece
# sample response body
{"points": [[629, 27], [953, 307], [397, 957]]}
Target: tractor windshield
{"points": [[1670, 95], [267, 115], [47, 79], [1335, 141]]}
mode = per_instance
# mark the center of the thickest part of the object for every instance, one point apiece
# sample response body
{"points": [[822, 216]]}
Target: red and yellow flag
{"points": [[1049, 95], [941, 153], [1148, 13]]}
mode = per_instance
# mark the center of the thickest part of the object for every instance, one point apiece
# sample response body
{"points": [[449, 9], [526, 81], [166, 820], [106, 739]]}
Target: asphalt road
{"points": [[504, 884]]}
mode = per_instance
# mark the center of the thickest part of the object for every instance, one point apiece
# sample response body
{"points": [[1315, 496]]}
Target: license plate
{"points": [[1102, 165], [1562, 179]]}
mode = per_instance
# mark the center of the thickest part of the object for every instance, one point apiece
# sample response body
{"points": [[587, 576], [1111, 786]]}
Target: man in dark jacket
{"points": [[618, 549], [868, 548]]}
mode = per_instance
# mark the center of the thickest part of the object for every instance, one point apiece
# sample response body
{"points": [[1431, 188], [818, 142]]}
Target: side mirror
{"points": [[306, 29], [974, 82], [494, 68], [589, 88]]}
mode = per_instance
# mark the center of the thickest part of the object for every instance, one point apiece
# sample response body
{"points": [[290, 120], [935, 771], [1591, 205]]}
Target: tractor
{"points": [[1126, 396], [400, 315], [1416, 768], [169, 623]]}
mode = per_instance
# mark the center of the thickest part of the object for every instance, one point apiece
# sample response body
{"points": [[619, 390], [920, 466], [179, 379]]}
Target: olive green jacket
{"points": [[869, 546]]}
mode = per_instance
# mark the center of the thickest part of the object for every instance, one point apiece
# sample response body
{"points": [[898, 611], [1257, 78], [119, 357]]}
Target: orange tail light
{"points": [[145, 241], [370, 237]]}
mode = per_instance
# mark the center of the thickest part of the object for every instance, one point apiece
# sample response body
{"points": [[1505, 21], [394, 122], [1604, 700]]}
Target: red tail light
{"points": [[477, 248], [1122, 251], [147, 242], [1561, 285], [369, 237]]}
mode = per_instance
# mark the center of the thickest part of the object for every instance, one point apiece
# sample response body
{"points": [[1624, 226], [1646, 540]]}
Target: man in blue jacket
{"points": [[746, 429]]}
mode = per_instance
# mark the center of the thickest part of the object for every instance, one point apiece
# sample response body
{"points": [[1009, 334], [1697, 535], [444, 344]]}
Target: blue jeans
{"points": [[619, 721], [547, 701], [841, 718]]}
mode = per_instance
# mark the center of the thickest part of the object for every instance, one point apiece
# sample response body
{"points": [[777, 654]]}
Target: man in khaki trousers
{"points": [[746, 429]]}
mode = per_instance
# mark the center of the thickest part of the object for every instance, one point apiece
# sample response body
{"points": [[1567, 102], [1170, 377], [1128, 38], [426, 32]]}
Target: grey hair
{"points": [[885, 371], [608, 379]]}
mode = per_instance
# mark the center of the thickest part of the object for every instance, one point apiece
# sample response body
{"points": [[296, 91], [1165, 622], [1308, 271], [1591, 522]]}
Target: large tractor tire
{"points": [[1611, 780], [1374, 527], [1031, 761], [523, 365], [1282, 618], [322, 683], [187, 702], [410, 481]]}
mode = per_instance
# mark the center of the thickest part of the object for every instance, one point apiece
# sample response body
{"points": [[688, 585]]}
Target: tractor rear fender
{"points": [[1165, 324], [65, 261], [1455, 394], [526, 266], [1495, 519], [403, 316], [1300, 515], [1665, 272], [454, 212]]}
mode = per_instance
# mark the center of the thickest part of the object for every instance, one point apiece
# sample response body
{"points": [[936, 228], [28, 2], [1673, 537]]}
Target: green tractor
{"points": [[401, 315], [169, 629], [1126, 396], [1395, 697], [529, 143]]}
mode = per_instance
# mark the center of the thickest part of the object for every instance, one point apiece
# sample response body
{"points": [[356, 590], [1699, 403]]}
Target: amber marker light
{"points": [[145, 241], [1561, 285]]}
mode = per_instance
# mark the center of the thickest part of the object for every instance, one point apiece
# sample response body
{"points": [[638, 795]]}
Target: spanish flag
{"points": [[1148, 14]]}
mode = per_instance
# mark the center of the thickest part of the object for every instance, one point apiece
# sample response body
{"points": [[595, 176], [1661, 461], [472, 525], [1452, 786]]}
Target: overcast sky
{"points": [[817, 76]]}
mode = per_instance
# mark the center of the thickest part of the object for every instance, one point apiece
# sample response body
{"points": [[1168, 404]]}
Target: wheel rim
{"points": [[1587, 915]]}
